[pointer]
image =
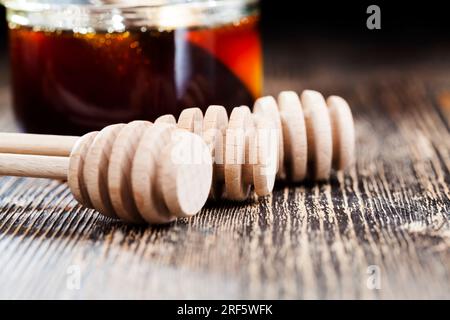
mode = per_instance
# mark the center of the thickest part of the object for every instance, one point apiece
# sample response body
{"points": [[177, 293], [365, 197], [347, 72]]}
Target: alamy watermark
{"points": [[374, 277], [374, 20], [73, 280]]}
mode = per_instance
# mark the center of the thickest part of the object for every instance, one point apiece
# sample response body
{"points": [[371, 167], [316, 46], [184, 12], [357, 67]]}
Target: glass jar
{"points": [[79, 65]]}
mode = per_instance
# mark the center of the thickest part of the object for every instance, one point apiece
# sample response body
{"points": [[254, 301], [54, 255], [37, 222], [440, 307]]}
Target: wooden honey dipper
{"points": [[136, 172], [311, 136], [122, 171]]}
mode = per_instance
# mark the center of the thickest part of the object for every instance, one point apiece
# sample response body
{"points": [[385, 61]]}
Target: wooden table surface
{"points": [[384, 222]]}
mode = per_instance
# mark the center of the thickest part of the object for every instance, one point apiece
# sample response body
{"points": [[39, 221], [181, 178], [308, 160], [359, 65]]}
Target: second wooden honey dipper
{"points": [[292, 139]]}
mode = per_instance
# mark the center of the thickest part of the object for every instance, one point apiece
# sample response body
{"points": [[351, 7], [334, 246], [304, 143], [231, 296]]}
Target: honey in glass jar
{"points": [[79, 66]]}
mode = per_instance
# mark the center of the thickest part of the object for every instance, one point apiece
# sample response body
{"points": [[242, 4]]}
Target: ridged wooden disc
{"points": [[185, 174], [168, 119], [266, 150], [318, 129], [191, 120], [147, 194], [267, 106], [343, 132], [215, 125], [294, 135], [76, 165], [95, 170], [236, 188], [119, 171]]}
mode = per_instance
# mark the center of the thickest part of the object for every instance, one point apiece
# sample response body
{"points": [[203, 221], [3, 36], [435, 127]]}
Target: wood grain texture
{"points": [[306, 241]]}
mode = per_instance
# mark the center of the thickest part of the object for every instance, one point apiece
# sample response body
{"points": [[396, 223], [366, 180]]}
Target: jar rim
{"points": [[33, 5], [87, 16]]}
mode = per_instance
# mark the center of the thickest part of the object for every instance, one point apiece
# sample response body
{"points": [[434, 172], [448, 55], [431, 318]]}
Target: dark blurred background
{"points": [[402, 21], [334, 34]]}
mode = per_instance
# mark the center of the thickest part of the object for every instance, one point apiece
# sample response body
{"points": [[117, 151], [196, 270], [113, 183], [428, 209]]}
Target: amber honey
{"points": [[67, 82]]}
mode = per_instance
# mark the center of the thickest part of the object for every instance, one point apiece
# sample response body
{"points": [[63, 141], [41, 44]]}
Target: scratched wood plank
{"points": [[390, 213]]}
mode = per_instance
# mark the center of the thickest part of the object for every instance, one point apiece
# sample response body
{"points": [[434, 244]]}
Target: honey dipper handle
{"points": [[37, 144], [34, 166]]}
